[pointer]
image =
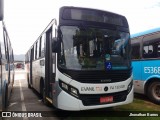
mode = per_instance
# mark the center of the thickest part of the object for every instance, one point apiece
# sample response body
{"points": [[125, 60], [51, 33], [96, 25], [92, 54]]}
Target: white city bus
{"points": [[83, 62], [6, 63]]}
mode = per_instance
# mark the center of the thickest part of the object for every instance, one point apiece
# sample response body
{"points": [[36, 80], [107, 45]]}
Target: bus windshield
{"points": [[89, 48]]}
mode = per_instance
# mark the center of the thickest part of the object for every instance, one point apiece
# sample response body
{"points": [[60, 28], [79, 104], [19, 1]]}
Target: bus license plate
{"points": [[108, 99]]}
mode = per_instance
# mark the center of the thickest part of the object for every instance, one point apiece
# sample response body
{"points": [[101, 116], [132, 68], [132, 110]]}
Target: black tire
{"points": [[41, 88], [29, 86], [154, 92], [5, 99]]}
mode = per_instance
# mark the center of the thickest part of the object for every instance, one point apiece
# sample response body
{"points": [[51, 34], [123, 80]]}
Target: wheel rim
{"points": [[156, 89]]}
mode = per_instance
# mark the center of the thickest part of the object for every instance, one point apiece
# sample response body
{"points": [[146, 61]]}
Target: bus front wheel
{"points": [[154, 92]]}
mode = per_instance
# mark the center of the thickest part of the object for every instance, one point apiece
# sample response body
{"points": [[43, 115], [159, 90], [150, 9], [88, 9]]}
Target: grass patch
{"points": [[139, 104]]}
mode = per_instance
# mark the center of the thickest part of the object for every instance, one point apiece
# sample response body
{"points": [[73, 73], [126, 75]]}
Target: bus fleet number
{"points": [[152, 70]]}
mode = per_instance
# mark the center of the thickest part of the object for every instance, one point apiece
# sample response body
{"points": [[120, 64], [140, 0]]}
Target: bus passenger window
{"points": [[43, 45], [35, 51], [148, 51], [38, 49]]}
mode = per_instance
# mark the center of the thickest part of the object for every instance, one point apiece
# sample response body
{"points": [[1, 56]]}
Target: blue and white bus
{"points": [[6, 63], [146, 63], [84, 62]]}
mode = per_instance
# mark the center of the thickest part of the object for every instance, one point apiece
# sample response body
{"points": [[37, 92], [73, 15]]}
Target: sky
{"points": [[26, 19]]}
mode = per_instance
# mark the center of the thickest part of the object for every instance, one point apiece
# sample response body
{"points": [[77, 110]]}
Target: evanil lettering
{"points": [[87, 89]]}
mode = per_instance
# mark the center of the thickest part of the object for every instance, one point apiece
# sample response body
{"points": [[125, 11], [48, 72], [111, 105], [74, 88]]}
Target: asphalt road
{"points": [[25, 103]]}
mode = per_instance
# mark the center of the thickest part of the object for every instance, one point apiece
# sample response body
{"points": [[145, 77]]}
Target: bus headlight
{"points": [[69, 89], [130, 86], [74, 92], [65, 86]]}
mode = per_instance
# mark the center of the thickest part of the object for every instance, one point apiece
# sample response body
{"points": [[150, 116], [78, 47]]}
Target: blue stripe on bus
{"points": [[146, 69]]}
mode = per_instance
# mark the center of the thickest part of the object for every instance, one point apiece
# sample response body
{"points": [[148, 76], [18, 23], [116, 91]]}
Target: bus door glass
{"points": [[48, 64], [54, 50]]}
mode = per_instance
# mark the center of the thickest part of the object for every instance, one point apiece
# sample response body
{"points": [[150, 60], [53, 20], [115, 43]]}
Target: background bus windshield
{"points": [[90, 48]]}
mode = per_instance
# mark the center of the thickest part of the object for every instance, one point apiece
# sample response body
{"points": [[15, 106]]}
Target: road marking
{"points": [[22, 99], [11, 104]]}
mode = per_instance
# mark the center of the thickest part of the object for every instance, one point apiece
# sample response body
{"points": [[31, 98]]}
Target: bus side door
{"points": [[48, 64]]}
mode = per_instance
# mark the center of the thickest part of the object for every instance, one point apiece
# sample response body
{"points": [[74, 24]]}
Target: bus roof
{"points": [[145, 32]]}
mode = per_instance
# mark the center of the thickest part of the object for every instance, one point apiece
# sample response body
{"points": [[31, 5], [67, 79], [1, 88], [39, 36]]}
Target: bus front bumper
{"points": [[70, 103]]}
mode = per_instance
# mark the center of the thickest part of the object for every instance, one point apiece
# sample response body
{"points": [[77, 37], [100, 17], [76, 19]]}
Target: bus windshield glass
{"points": [[89, 48]]}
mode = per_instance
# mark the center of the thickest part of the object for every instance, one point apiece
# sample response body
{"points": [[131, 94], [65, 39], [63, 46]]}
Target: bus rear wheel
{"points": [[154, 92], [5, 99]]}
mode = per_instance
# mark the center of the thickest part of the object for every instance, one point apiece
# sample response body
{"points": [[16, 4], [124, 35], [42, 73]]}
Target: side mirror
{"points": [[1, 10]]}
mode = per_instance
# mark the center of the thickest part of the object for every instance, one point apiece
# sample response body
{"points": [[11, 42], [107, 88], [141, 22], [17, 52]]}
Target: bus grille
{"points": [[91, 99], [102, 77], [99, 76]]}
